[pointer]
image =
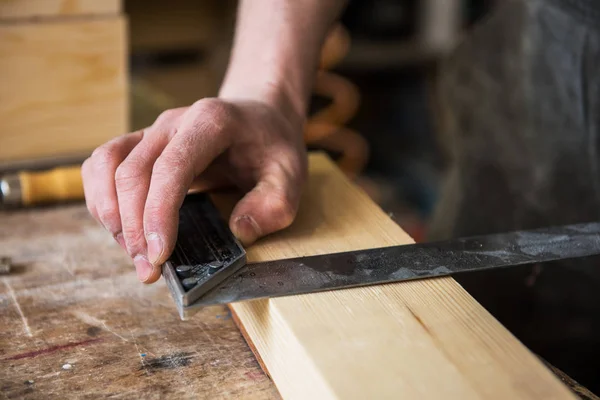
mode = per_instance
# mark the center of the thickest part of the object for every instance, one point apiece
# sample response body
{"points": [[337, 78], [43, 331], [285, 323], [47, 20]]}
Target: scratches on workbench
{"points": [[13, 296], [142, 361], [209, 337], [139, 353], [91, 320], [50, 375], [49, 350], [66, 262], [113, 332], [169, 361], [83, 289], [96, 322]]}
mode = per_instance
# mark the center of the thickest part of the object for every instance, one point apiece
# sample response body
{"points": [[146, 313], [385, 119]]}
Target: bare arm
{"points": [[276, 50], [250, 136]]}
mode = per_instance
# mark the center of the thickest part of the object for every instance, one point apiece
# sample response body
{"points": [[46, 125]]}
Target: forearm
{"points": [[276, 51]]}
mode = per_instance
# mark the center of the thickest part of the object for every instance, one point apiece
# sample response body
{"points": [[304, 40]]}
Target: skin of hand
{"points": [[250, 136], [249, 144]]}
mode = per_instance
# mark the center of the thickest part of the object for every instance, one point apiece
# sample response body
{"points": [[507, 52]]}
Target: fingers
{"points": [[136, 184], [202, 137], [132, 181], [98, 174], [269, 207], [88, 187]]}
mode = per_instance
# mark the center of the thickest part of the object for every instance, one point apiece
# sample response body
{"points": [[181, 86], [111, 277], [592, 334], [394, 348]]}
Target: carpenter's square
{"points": [[208, 266]]}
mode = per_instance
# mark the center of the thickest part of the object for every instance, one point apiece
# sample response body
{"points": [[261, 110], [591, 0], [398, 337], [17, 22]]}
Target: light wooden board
{"points": [[413, 340], [11, 9], [64, 86]]}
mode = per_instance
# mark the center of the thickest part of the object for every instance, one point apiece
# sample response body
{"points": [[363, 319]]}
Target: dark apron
{"points": [[520, 118]]}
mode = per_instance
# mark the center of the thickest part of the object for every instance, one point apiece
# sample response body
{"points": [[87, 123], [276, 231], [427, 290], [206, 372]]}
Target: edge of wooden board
{"points": [[249, 341]]}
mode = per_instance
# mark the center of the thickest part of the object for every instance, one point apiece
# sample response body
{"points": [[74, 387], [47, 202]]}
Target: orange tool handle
{"points": [[56, 185]]}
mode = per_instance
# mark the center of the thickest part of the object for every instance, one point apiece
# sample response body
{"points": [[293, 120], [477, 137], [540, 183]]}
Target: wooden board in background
{"points": [[15, 9], [64, 86], [416, 340]]}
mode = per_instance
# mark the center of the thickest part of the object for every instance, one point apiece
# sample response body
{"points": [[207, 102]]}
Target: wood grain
{"points": [[17, 9], [64, 86], [422, 339], [74, 299]]}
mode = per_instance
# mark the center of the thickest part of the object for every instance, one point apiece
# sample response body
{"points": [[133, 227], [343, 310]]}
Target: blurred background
{"points": [[374, 110], [179, 54]]}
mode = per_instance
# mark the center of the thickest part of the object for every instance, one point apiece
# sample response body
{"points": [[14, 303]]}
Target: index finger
{"points": [[201, 138]]}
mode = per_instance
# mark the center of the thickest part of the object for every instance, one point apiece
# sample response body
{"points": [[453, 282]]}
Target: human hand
{"points": [[135, 184]]}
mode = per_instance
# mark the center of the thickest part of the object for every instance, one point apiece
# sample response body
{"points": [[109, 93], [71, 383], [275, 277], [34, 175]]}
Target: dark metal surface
{"points": [[10, 191], [399, 263], [206, 252]]}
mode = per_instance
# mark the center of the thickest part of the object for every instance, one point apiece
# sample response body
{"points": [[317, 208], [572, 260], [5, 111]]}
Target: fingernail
{"points": [[246, 229], [120, 240], [155, 247], [142, 267]]}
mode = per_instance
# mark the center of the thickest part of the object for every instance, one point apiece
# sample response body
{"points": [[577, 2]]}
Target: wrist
{"points": [[274, 56], [276, 93]]}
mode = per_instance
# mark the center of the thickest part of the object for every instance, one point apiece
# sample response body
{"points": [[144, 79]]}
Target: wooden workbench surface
{"points": [[75, 322]]}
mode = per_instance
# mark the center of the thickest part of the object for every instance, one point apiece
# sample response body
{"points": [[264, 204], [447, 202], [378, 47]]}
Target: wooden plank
{"points": [[420, 339], [74, 299], [16, 9], [64, 86]]}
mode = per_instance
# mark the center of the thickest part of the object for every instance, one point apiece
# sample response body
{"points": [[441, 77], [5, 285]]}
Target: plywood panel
{"points": [[10, 9], [415, 340], [64, 86]]}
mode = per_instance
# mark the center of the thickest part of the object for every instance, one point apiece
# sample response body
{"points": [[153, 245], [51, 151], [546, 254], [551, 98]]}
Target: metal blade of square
{"points": [[206, 252]]}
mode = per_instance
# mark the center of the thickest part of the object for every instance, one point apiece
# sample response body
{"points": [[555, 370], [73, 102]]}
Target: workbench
{"points": [[76, 322]]}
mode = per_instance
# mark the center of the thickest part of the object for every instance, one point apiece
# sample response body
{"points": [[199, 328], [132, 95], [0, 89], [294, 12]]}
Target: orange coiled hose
{"points": [[325, 128]]}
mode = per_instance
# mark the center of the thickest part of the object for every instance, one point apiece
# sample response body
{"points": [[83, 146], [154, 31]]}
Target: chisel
{"points": [[31, 188]]}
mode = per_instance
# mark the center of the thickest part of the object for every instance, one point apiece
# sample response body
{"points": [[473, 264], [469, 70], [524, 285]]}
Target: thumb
{"points": [[270, 206]]}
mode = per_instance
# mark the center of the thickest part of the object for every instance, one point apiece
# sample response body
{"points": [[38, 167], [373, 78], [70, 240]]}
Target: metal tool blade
{"points": [[399, 263], [205, 254]]}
